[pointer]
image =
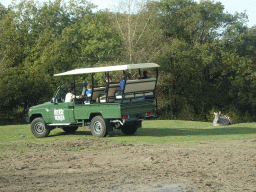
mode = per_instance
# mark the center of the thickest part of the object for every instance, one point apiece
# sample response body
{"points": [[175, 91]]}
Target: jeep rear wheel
{"points": [[70, 129], [39, 128], [98, 127]]}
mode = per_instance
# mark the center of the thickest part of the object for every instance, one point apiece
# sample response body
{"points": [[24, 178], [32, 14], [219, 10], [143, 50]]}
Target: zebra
{"points": [[221, 120]]}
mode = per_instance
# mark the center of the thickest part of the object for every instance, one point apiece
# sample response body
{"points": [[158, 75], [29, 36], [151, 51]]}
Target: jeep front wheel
{"points": [[39, 128], [98, 127]]}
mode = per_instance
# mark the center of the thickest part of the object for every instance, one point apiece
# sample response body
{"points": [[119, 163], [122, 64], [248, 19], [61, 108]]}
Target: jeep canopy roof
{"points": [[108, 68]]}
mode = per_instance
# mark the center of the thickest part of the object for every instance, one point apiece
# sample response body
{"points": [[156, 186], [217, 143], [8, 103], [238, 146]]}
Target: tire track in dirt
{"points": [[99, 165]]}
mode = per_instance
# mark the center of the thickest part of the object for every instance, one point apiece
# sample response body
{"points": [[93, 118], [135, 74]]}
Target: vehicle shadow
{"points": [[62, 133], [163, 132]]}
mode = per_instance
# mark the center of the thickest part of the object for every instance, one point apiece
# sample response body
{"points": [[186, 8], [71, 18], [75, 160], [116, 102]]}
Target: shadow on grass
{"points": [[62, 133], [162, 132]]}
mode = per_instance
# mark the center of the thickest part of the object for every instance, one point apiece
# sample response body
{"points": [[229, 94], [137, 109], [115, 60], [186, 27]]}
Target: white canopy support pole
{"points": [[92, 88]]}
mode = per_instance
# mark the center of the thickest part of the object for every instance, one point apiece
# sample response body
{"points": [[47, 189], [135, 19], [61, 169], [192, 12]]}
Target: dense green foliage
{"points": [[204, 67], [207, 56]]}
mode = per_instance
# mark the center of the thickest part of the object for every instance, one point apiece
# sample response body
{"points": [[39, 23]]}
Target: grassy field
{"points": [[160, 131]]}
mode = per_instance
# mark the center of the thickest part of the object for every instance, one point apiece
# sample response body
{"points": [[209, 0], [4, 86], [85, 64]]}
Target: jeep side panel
{"points": [[54, 113], [62, 113], [108, 110], [137, 109]]}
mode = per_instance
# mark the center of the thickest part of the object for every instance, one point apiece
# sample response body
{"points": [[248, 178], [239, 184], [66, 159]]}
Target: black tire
{"points": [[129, 129], [70, 129], [98, 127], [39, 128]]}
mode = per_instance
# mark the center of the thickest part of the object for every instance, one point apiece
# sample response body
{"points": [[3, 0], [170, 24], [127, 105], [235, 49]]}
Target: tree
{"points": [[194, 55], [141, 38], [239, 44], [39, 41], [91, 41]]}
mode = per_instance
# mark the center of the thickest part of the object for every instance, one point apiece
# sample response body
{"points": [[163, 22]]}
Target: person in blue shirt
{"points": [[89, 90], [88, 93], [121, 83]]}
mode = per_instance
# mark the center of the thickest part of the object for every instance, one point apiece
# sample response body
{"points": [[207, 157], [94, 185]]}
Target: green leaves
{"points": [[38, 41], [207, 57]]}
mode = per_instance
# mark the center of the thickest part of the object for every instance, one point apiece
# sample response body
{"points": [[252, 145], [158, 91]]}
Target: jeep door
{"points": [[61, 113]]}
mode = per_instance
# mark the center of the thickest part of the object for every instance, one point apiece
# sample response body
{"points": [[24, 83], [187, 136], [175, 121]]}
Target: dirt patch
{"points": [[99, 165]]}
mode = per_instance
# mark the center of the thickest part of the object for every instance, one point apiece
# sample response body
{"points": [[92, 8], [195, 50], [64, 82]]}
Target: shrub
{"points": [[186, 113]]}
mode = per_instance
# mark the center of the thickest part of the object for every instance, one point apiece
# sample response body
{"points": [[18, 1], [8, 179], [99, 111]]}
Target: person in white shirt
{"points": [[71, 95]]}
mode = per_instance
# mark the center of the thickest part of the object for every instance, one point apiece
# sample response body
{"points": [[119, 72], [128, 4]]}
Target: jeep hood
{"points": [[40, 105]]}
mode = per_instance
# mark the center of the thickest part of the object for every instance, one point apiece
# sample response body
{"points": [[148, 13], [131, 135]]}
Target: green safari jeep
{"points": [[105, 109]]}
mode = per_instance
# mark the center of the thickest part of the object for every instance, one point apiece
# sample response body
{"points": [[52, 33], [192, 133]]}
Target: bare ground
{"points": [[99, 165]]}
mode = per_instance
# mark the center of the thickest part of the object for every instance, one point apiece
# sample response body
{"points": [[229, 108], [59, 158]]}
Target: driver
{"points": [[71, 95]]}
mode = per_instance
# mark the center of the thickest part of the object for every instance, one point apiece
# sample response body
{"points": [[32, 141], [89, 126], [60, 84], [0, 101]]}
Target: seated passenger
{"points": [[129, 76], [71, 95], [121, 83], [102, 96], [108, 80], [88, 93], [84, 88], [136, 77], [145, 75], [89, 90]]}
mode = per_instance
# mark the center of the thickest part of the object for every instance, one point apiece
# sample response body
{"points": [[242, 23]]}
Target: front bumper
{"points": [[27, 118]]}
